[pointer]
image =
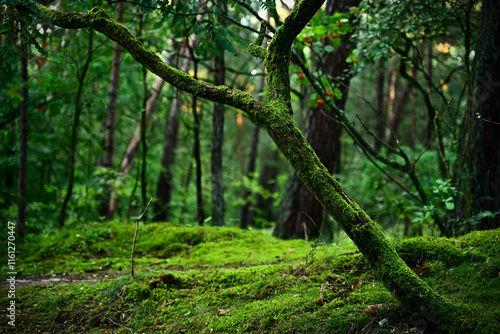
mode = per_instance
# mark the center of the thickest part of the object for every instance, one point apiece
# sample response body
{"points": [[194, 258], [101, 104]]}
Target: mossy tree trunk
{"points": [[302, 215], [276, 117]]}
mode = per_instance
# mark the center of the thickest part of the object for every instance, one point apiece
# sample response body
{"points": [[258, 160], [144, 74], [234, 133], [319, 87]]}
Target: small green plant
{"points": [[443, 201]]}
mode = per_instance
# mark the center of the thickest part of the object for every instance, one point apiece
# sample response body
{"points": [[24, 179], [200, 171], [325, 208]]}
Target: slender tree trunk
{"points": [[245, 218], [218, 210], [74, 132], [161, 205], [164, 187], [379, 126], [303, 215], [109, 141], [197, 159], [397, 114], [196, 147], [264, 212], [246, 214], [414, 117], [23, 157], [428, 128]]}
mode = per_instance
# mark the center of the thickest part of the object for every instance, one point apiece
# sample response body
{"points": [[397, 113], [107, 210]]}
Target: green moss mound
{"points": [[106, 247]]}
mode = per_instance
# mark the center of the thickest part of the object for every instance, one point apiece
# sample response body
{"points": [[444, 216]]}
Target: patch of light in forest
{"points": [[245, 20], [253, 72], [443, 47], [281, 9]]}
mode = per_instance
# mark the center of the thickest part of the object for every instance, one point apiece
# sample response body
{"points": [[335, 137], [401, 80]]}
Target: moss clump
{"points": [[416, 251], [172, 250]]}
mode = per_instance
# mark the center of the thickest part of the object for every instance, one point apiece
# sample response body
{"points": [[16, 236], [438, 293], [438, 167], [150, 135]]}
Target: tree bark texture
{"points": [[218, 210], [164, 186], [379, 106], [276, 117], [302, 215], [109, 140], [196, 148], [485, 136]]}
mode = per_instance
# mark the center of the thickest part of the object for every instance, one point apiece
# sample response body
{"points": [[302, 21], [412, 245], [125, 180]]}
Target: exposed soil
{"points": [[27, 281]]}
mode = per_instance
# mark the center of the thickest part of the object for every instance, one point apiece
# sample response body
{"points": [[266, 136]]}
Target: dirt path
{"points": [[22, 282]]}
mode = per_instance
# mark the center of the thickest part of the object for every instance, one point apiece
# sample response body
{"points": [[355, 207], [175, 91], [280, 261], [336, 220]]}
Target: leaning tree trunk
{"points": [[302, 215], [276, 117]]}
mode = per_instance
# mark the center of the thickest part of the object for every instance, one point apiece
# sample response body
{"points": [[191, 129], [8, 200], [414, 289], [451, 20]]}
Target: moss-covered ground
{"points": [[226, 280]]}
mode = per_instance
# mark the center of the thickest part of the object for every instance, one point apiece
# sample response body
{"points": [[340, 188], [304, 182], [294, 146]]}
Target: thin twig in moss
{"points": [[135, 237]]}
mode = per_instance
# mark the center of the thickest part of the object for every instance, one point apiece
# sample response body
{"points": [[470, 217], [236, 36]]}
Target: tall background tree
{"points": [[480, 205], [110, 124]]}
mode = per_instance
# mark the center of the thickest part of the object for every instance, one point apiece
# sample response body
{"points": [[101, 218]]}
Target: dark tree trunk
{"points": [[246, 214], [379, 126], [303, 215], [245, 217], [485, 132], [396, 116], [74, 133], [109, 141], [265, 212], [196, 149], [218, 210], [164, 185], [23, 157], [197, 158], [427, 135]]}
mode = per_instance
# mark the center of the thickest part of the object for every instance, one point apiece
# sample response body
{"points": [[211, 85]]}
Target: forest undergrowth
{"points": [[228, 280]]}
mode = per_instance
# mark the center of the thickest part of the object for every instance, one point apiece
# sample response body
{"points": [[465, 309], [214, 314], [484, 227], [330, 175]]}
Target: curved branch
{"points": [[98, 19], [278, 56]]}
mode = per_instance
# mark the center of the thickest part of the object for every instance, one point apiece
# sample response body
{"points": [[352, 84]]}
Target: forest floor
{"points": [[227, 280]]}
